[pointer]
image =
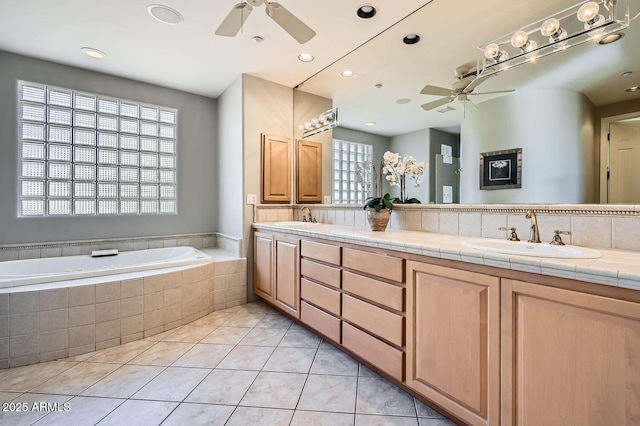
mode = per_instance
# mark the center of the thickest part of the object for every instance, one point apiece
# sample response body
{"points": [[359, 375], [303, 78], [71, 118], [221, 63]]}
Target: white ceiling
{"points": [[189, 57]]}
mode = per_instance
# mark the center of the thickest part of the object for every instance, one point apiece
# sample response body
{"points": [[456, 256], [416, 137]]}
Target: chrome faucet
{"points": [[534, 234], [306, 217]]}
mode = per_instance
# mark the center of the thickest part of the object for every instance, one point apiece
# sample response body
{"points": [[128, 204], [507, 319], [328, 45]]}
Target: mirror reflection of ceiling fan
{"points": [[461, 89], [234, 21]]}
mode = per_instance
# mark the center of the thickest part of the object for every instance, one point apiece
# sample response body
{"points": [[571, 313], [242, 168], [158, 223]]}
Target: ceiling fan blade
{"points": [[435, 104], [491, 93], [297, 29], [435, 90], [234, 20], [476, 82]]}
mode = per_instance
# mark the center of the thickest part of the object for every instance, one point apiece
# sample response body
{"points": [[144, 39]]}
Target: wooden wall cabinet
{"points": [[276, 169], [263, 265], [287, 275], [309, 171], [568, 357], [453, 340]]}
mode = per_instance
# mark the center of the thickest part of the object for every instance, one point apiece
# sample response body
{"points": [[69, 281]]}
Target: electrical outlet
{"points": [[327, 199], [252, 199]]}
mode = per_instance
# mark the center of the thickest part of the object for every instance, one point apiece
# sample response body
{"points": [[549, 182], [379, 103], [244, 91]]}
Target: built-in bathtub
{"points": [[55, 308], [36, 271]]}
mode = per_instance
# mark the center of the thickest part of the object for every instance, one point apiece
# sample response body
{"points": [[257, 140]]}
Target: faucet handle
{"points": [[557, 240], [512, 236]]}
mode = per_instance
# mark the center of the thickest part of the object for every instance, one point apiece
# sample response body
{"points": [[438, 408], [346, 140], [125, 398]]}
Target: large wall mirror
{"points": [[558, 109]]}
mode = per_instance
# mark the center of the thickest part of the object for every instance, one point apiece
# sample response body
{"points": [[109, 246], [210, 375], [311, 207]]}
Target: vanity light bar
{"points": [[578, 24], [322, 122]]}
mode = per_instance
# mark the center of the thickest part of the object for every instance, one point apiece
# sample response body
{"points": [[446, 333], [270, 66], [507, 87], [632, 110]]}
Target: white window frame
{"points": [[346, 158], [84, 154]]}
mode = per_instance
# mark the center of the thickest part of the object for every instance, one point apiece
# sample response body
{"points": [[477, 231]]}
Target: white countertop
{"points": [[616, 268]]}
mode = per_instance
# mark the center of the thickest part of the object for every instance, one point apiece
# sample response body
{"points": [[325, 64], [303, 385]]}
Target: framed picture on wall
{"points": [[501, 169]]}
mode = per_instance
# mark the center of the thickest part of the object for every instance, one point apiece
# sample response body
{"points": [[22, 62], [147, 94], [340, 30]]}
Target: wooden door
{"points": [[276, 169], [263, 265], [624, 162], [568, 358], [287, 275], [453, 340], [309, 171]]}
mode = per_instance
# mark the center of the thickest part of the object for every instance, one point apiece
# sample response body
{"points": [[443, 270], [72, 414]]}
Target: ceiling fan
{"points": [[287, 20], [461, 89]]}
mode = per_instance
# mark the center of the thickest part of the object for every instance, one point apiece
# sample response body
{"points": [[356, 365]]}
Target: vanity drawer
{"points": [[320, 296], [385, 357], [323, 252], [378, 321], [321, 273], [324, 323], [377, 264], [380, 292]]}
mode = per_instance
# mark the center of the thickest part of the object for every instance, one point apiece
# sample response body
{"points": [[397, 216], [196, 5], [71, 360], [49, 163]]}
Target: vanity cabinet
{"points": [[263, 265], [568, 357], [320, 288], [286, 293], [453, 340]]}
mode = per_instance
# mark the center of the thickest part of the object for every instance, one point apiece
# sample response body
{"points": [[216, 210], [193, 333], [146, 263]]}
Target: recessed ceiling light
{"points": [[94, 53], [403, 101], [411, 39], [257, 39], [610, 38], [626, 73], [165, 14], [633, 89], [347, 74], [370, 123], [305, 57], [366, 11]]}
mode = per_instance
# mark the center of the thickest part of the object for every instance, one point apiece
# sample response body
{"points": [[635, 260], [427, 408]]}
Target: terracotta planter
{"points": [[378, 220]]}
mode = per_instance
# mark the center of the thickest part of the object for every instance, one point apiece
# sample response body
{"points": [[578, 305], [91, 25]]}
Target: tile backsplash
{"points": [[591, 225]]}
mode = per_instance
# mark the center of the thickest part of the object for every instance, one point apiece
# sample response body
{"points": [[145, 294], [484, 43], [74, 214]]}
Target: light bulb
{"points": [[588, 11], [530, 46], [550, 27], [491, 51], [519, 39]]}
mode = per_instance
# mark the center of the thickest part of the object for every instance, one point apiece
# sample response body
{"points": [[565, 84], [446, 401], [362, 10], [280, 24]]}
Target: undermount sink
{"points": [[523, 248], [295, 223]]}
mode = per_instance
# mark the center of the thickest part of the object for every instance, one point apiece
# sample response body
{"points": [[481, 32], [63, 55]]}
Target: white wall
{"points": [[228, 162], [415, 144], [554, 128]]}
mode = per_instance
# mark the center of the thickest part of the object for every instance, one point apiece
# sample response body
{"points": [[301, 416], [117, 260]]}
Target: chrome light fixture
{"points": [[318, 124], [583, 22]]}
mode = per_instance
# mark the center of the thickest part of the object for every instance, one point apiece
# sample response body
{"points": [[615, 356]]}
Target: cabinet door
{"points": [[309, 172], [276, 169], [453, 340], [263, 265], [568, 358], [287, 275]]}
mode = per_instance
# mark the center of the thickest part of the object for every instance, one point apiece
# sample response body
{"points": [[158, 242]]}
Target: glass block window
{"points": [[84, 154], [347, 156]]}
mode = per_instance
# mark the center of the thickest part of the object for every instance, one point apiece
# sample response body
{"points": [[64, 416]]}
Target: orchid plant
{"points": [[397, 168]]}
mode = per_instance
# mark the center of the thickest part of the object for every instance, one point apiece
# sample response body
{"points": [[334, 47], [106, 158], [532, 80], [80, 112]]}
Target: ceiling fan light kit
{"points": [[236, 18], [586, 21]]}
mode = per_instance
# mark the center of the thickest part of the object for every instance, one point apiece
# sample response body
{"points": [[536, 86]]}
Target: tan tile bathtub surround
{"points": [[38, 326]]}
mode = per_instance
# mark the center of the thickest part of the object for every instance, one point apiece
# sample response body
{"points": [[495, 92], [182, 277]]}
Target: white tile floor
{"points": [[242, 366]]}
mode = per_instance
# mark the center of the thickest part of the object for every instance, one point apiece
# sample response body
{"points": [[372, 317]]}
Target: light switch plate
{"points": [[252, 199], [327, 199]]}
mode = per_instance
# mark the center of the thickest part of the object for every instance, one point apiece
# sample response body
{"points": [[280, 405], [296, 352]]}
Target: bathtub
{"points": [[17, 273]]}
